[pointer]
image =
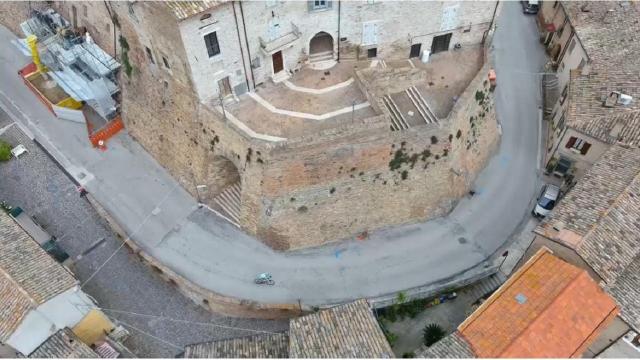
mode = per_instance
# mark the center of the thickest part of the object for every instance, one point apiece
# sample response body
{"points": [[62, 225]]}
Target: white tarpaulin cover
{"points": [[69, 114]]}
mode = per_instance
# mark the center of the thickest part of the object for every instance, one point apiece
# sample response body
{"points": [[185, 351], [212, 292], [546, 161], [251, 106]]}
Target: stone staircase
{"points": [[485, 286], [421, 104], [321, 56], [280, 77], [398, 122], [229, 201]]}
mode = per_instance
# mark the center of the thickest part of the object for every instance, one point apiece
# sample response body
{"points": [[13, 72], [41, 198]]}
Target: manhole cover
{"points": [[462, 240]]}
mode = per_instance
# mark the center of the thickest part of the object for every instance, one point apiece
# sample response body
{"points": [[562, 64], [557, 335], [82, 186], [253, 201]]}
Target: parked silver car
{"points": [[530, 7], [546, 200]]}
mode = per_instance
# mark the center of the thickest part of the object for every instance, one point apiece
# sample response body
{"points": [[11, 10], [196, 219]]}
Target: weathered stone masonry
{"points": [[304, 191]]}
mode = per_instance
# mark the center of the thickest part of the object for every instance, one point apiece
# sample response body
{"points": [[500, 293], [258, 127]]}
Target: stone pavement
{"points": [[35, 183], [164, 220]]}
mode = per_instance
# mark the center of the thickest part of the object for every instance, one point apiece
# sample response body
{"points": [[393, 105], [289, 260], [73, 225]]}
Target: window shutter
{"points": [[329, 4], [585, 148], [310, 5], [572, 140]]}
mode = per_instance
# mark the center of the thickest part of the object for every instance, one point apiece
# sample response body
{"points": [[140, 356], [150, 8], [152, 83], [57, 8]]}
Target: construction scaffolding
{"points": [[75, 78]]}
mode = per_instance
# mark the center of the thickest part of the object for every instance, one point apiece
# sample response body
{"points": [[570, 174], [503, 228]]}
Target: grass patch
{"points": [[5, 151]]}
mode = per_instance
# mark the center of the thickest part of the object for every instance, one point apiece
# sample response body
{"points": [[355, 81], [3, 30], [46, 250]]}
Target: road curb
{"points": [[208, 299]]}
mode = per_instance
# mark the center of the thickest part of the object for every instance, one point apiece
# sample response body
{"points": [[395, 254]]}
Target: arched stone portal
{"points": [[321, 44], [224, 187]]}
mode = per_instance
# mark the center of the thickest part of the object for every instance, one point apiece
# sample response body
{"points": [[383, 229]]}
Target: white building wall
{"points": [[261, 17], [401, 24], [207, 71], [571, 60], [64, 310]]}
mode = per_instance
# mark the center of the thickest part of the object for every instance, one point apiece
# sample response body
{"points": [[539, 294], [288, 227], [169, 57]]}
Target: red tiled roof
{"points": [[548, 308]]}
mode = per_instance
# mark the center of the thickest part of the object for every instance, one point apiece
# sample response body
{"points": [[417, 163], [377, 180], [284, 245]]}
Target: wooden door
{"points": [[278, 64], [224, 86]]}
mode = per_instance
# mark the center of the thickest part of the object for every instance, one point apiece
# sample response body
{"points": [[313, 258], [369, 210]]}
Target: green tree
{"points": [[432, 333]]}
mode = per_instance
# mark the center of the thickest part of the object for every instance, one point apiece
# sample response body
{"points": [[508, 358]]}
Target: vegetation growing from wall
{"points": [[484, 102], [124, 56], [401, 308], [404, 160]]}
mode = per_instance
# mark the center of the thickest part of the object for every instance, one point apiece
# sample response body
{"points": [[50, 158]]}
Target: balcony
{"points": [[282, 42]]}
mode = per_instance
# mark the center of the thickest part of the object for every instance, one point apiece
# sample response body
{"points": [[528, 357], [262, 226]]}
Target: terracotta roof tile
{"points": [[28, 276], [626, 291], [453, 346], [15, 305], [583, 207], [587, 114], [28, 265], [548, 308], [64, 344], [608, 32], [345, 331], [611, 246], [184, 9], [264, 346]]}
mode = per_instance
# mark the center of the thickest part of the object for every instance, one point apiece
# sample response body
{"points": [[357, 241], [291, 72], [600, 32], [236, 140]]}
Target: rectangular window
{"points": [[85, 11], [211, 41], [150, 55], [315, 5], [578, 145], [319, 4], [371, 53]]}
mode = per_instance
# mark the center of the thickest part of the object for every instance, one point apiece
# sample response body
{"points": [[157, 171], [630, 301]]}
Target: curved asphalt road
{"points": [[407, 256], [216, 255]]}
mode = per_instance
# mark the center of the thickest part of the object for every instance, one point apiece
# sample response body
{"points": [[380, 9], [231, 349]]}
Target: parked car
{"points": [[530, 7], [546, 200]]}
